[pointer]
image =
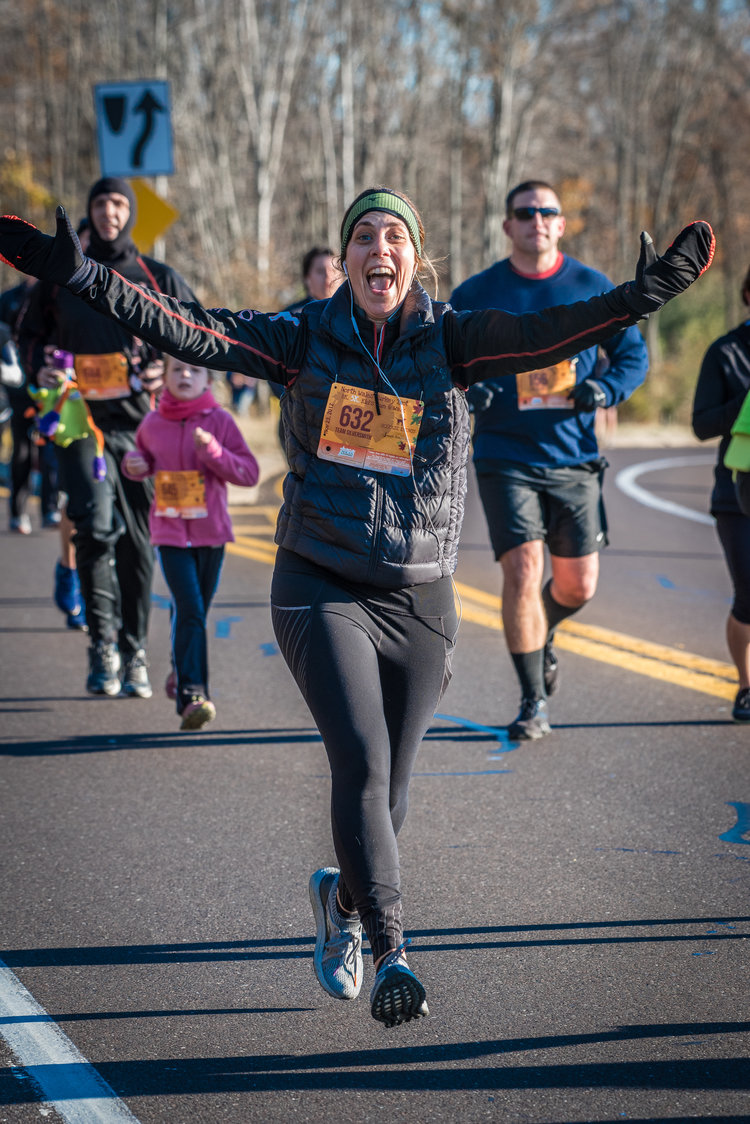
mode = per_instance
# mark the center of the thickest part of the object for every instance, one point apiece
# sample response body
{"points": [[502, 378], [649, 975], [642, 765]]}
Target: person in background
{"points": [[723, 384], [321, 278], [117, 374], [194, 449], [28, 453], [377, 438], [535, 448]]}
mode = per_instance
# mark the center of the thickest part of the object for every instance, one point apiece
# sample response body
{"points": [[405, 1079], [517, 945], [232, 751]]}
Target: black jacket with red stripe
{"points": [[386, 530]]}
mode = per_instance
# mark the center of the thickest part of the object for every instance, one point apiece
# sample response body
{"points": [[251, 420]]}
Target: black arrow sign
{"points": [[149, 107]]}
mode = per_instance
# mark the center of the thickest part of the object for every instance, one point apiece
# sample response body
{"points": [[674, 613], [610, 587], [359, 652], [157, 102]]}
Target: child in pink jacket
{"points": [[193, 448]]}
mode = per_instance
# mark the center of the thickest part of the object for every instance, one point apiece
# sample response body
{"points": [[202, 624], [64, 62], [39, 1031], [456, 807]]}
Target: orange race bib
{"points": [[103, 376], [180, 495], [548, 388], [355, 434]]}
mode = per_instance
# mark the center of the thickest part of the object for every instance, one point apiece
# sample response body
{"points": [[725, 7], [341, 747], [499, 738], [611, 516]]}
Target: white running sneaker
{"points": [[397, 996], [338, 945]]}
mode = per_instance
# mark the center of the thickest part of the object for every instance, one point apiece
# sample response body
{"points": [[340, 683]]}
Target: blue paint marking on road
{"points": [[708, 952], [667, 583], [742, 827], [269, 649], [224, 626], [500, 733], [471, 773], [160, 602]]}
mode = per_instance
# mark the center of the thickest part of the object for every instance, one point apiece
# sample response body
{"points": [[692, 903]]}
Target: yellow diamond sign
{"points": [[155, 215]]}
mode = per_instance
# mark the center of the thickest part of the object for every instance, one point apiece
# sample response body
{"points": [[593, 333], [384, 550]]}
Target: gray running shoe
{"points": [[551, 669], [135, 677], [104, 666], [741, 709], [532, 721], [397, 996], [337, 959]]}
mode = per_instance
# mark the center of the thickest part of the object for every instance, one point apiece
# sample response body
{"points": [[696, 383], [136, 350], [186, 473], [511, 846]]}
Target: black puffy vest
{"points": [[371, 527]]}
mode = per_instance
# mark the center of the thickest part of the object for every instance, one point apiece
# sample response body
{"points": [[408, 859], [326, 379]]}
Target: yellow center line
{"points": [[644, 657], [670, 665]]}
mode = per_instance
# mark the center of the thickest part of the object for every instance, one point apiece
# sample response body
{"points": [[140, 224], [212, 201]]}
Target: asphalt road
{"points": [[578, 906]]}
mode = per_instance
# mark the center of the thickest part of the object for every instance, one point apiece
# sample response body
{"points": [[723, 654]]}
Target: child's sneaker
{"points": [[397, 996], [197, 711]]}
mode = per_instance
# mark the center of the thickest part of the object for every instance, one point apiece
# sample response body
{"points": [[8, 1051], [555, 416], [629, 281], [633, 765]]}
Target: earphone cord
{"points": [[409, 446]]}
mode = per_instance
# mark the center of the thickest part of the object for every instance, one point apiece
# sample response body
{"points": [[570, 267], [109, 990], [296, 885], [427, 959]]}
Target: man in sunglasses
{"points": [[535, 450]]}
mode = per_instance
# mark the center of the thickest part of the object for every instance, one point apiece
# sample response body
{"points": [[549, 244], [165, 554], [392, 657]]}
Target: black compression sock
{"points": [[554, 610], [530, 671]]}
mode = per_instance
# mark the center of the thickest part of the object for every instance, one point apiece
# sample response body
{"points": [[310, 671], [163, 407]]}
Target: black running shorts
{"points": [[562, 507]]}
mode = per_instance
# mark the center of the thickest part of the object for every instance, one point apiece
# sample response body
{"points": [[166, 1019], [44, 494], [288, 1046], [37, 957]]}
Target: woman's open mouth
{"points": [[381, 279]]}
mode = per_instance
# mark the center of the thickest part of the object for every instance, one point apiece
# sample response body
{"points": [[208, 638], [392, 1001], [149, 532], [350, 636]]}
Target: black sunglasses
{"points": [[526, 214]]}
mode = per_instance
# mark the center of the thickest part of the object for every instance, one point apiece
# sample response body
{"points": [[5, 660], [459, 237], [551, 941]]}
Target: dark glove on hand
{"points": [[658, 279], [587, 396], [479, 396], [59, 259]]}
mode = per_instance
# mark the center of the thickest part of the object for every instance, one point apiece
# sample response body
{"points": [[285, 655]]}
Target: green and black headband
{"points": [[381, 201]]}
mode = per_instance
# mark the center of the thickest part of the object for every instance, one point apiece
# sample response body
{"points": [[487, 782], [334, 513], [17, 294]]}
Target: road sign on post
{"points": [[134, 128], [154, 216]]}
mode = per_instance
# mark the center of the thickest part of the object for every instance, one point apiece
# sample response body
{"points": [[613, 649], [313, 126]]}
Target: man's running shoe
{"points": [[170, 685], [135, 682], [741, 709], [104, 665], [197, 712], [67, 596], [337, 959], [551, 669], [532, 721], [397, 996]]}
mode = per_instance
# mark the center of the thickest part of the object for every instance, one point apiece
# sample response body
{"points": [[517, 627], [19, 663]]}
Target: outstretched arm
{"points": [[520, 343], [254, 343]]}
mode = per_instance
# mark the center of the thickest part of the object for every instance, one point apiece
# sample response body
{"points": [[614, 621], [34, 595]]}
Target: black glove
{"points": [[59, 259], [658, 279], [479, 395], [587, 396]]}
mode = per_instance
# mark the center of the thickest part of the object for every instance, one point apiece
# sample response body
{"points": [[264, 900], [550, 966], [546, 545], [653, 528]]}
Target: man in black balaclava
{"points": [[118, 375]]}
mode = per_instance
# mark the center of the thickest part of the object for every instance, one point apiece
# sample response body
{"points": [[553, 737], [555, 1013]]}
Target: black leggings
{"points": [[372, 670], [734, 534]]}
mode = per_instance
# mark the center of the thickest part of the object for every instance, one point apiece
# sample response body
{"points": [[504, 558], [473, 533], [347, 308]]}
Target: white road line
{"points": [[67, 1082], [626, 482]]}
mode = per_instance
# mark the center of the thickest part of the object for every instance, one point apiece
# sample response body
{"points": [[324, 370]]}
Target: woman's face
{"points": [[381, 262]]}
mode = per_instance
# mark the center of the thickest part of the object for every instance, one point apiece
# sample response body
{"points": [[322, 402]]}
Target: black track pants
{"points": [[114, 555], [372, 673]]}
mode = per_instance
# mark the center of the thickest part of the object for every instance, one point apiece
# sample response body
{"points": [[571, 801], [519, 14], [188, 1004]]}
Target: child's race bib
{"points": [[548, 388], [180, 495], [103, 376], [355, 434]]}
